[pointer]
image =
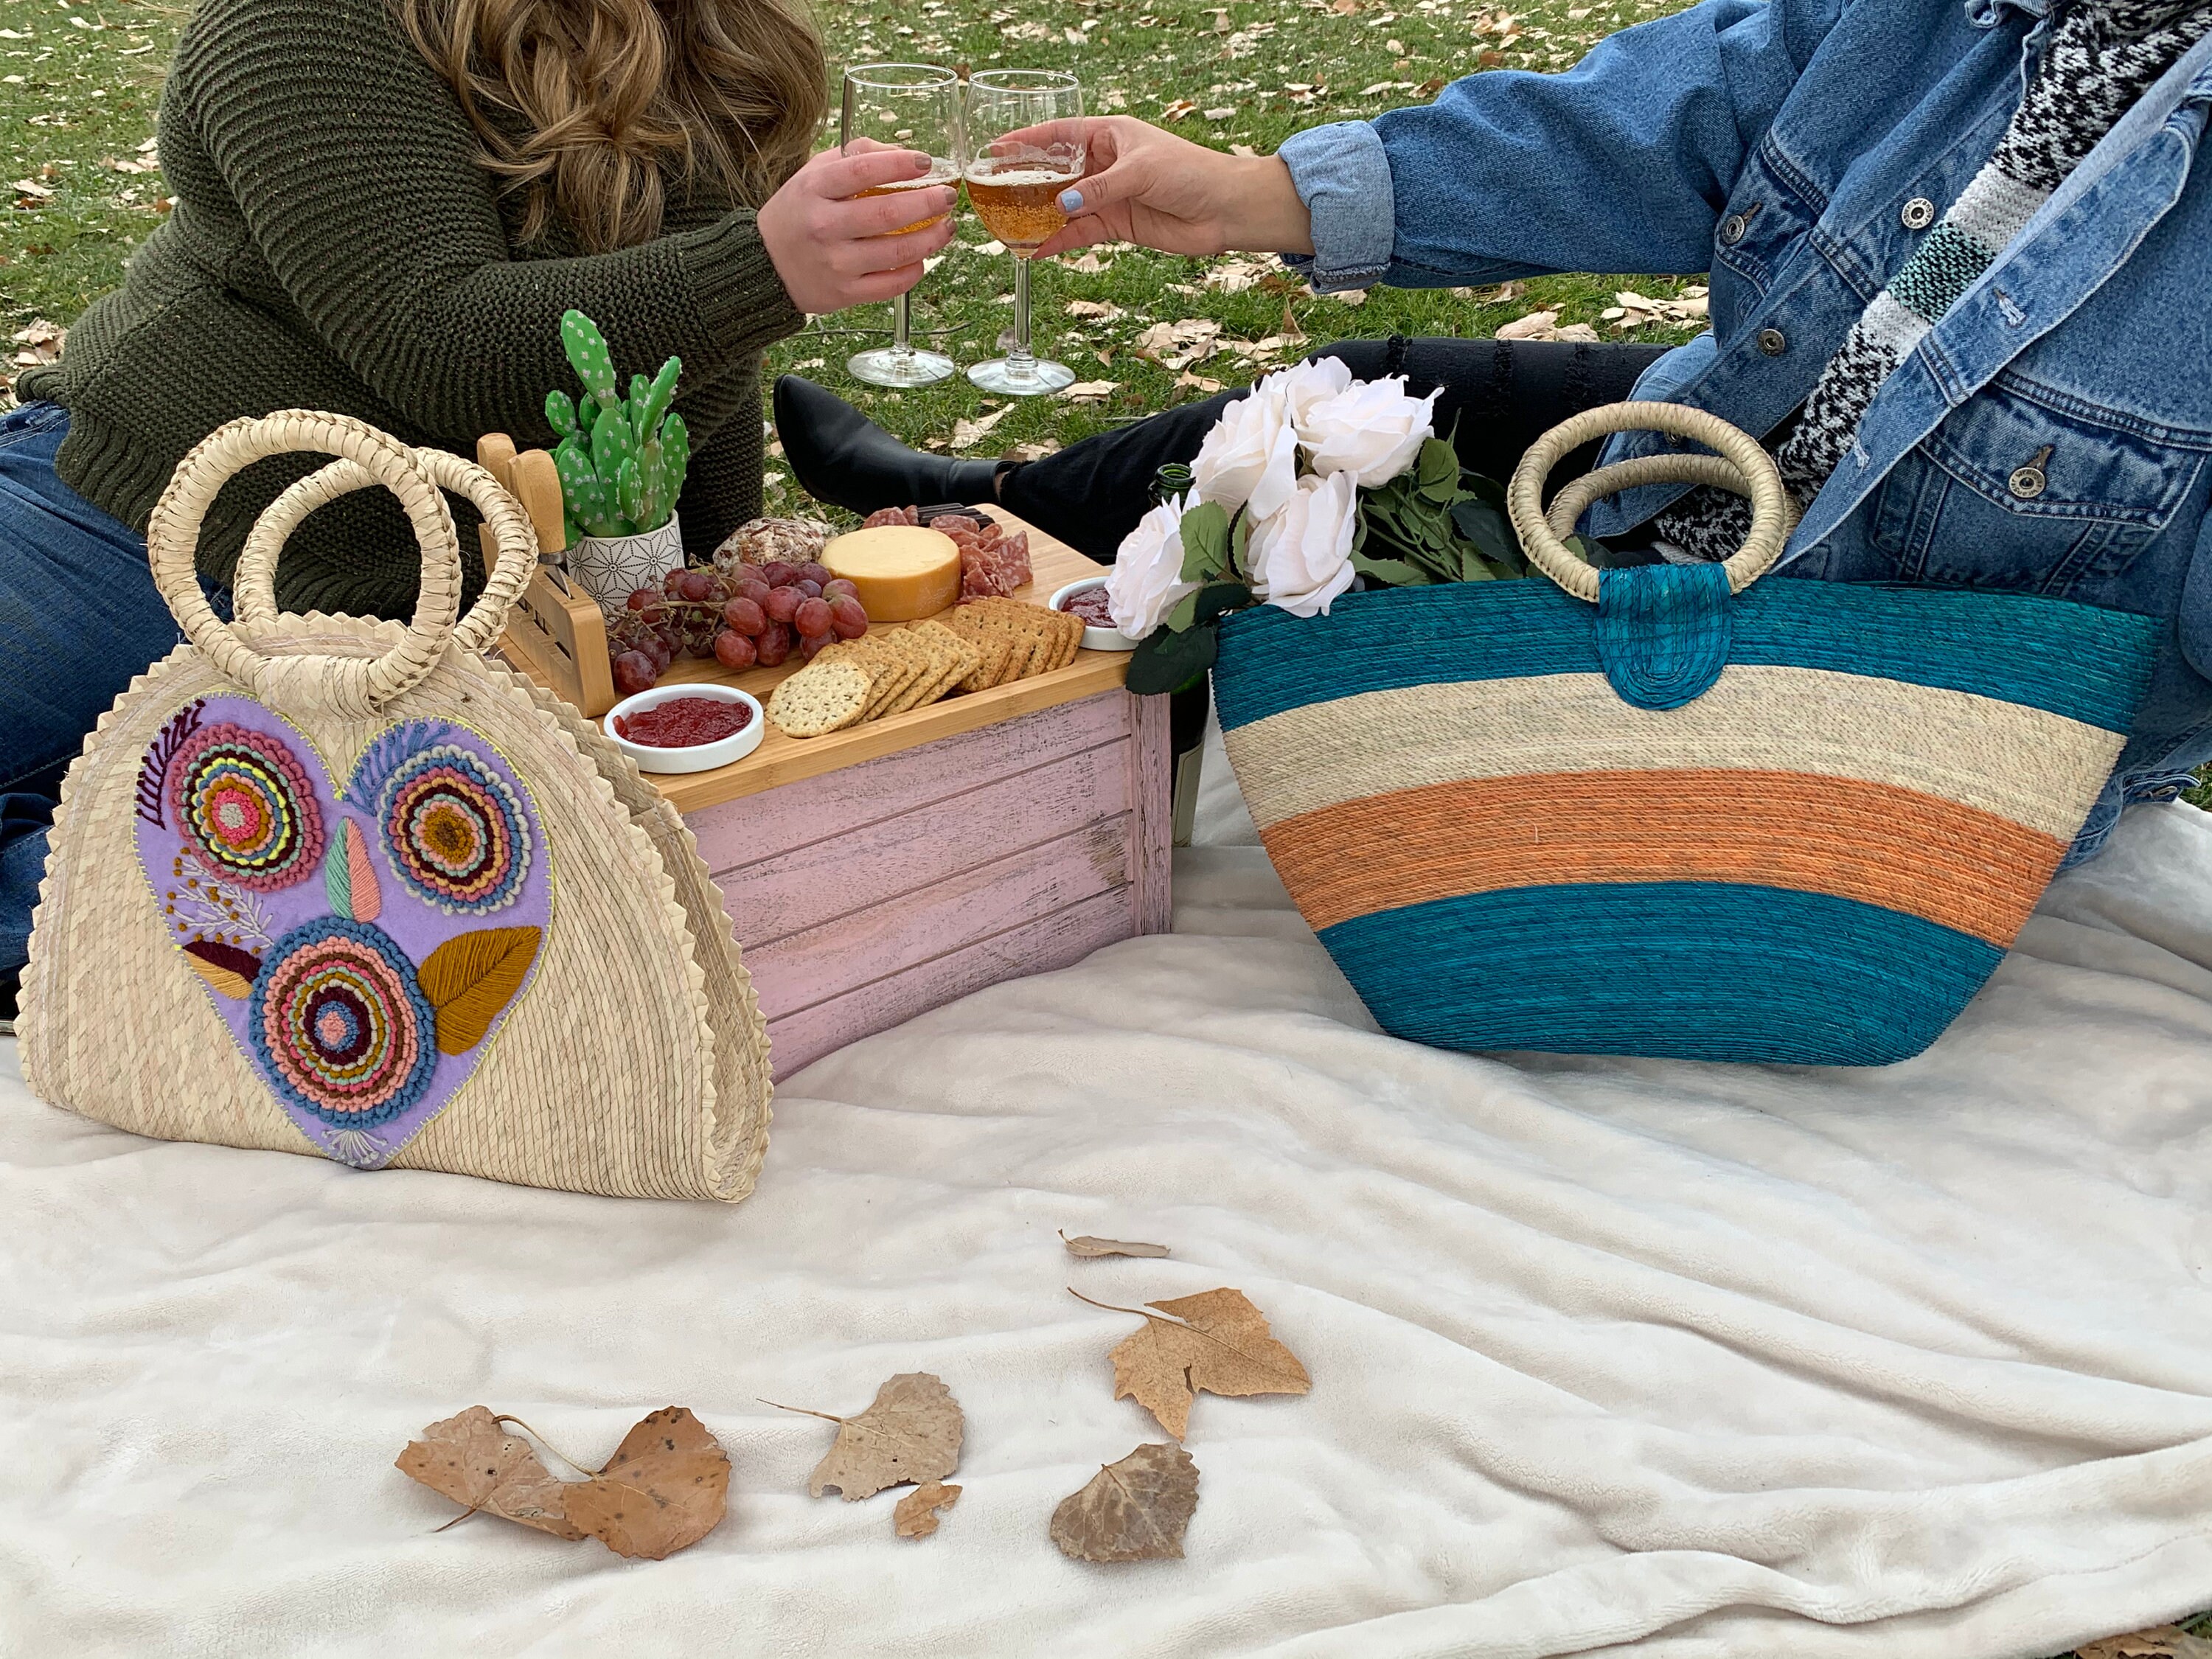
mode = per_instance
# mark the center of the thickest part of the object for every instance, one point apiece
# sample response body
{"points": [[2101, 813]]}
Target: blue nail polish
{"points": [[1071, 200]]}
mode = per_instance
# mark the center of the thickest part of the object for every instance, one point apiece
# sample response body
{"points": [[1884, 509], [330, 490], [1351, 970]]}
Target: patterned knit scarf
{"points": [[2101, 56]]}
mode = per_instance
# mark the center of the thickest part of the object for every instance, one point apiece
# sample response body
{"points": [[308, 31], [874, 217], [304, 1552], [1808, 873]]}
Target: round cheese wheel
{"points": [[902, 571]]}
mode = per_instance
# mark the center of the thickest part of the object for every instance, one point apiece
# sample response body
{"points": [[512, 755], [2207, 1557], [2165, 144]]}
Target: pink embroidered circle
{"points": [[340, 1024], [246, 807]]}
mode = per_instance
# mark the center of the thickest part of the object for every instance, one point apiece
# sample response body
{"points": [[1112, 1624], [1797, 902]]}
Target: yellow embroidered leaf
{"points": [[469, 979]]}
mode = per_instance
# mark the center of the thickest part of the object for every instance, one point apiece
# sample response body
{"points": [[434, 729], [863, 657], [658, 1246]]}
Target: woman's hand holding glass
{"points": [[1143, 186], [833, 246]]}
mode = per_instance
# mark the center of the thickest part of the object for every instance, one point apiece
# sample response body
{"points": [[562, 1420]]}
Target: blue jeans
{"points": [[79, 618]]}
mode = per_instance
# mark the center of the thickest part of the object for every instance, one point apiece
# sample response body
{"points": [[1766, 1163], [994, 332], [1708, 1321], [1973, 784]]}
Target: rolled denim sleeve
{"points": [[1342, 173], [1623, 163]]}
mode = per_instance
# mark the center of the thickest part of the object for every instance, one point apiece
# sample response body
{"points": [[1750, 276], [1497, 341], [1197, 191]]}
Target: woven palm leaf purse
{"points": [[344, 888], [1671, 810]]}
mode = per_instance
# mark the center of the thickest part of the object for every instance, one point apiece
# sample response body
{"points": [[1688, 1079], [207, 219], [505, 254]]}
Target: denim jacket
{"points": [[1795, 149]]}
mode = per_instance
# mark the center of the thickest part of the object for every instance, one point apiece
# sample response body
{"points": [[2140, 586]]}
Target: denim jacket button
{"points": [[2026, 483], [1917, 213], [1773, 342], [1732, 229]]}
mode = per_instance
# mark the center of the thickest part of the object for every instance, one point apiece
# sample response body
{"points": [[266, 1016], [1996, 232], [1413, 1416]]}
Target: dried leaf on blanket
{"points": [[917, 1514], [1216, 1342], [474, 1461], [1088, 1246], [666, 1487], [1133, 1510], [2167, 1641], [911, 1433]]}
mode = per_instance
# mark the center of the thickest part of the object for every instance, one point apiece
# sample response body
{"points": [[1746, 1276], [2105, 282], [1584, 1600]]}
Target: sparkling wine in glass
{"points": [[914, 106], [1014, 178]]}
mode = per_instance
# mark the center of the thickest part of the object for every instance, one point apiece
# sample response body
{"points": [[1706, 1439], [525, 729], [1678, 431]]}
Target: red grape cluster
{"points": [[740, 615]]}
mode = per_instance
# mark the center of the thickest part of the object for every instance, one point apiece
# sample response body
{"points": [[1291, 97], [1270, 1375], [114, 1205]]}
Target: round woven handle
{"points": [[1741, 465], [254, 590], [355, 688]]}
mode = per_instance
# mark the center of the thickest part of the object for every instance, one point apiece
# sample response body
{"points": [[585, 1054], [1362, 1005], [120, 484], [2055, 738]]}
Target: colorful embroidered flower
{"points": [[454, 830], [339, 1025], [245, 806]]}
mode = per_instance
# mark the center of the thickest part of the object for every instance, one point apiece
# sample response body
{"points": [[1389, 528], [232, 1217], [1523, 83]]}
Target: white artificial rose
{"points": [[1371, 430], [1251, 455], [1147, 582], [1301, 555], [1305, 385]]}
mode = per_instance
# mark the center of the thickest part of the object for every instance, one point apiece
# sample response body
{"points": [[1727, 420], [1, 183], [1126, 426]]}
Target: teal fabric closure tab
{"points": [[1663, 631]]}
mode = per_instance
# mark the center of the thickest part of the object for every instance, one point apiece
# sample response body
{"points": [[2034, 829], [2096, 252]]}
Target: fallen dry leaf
{"points": [[1205, 383], [1104, 311], [965, 433], [1088, 1246], [910, 1433], [1235, 275], [1033, 451], [1536, 326], [917, 1514], [1089, 263], [1090, 392], [1178, 110], [666, 1488], [2167, 1641], [475, 1461], [1215, 1342], [1133, 1510], [1179, 344]]}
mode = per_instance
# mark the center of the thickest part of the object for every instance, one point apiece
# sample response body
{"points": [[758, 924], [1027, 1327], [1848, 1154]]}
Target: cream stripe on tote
{"points": [[343, 887], [1754, 719]]}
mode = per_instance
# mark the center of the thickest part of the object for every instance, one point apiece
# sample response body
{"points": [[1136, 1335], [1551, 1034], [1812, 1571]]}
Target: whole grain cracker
{"points": [[820, 698]]}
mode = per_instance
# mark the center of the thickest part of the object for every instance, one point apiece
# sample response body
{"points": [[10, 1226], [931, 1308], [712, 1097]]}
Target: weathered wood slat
{"points": [[820, 880], [810, 967], [1058, 940], [1151, 760], [759, 827]]}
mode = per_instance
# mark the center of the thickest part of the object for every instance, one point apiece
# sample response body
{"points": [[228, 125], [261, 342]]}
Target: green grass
{"points": [[79, 84]]}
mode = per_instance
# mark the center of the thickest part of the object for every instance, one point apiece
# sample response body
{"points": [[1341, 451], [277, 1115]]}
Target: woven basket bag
{"points": [[1672, 810], [340, 887]]}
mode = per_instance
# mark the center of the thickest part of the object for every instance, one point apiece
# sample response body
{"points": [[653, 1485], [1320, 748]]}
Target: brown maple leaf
{"points": [[910, 1433], [1133, 1510], [666, 1487], [475, 1461], [1216, 1342], [917, 1514], [1088, 1246]]}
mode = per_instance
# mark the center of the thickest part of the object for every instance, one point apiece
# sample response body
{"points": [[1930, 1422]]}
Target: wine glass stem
{"points": [[902, 325], [1021, 353]]}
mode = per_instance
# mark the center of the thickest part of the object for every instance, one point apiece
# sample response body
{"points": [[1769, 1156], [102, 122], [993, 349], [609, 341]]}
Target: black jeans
{"points": [[1499, 396]]}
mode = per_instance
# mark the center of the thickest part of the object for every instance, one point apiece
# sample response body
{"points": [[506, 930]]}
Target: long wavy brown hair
{"points": [[592, 109]]}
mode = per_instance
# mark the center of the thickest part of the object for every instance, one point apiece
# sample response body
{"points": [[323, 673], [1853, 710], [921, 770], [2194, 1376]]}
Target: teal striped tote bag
{"points": [[1672, 810]]}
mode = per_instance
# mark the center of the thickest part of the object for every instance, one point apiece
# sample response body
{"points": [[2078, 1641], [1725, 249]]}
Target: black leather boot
{"points": [[841, 456]]}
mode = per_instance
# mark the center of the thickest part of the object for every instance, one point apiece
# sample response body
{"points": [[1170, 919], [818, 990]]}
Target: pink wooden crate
{"points": [[869, 895]]}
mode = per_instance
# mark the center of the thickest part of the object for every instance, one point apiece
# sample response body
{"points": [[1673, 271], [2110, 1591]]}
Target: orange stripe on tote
{"points": [[1870, 841]]}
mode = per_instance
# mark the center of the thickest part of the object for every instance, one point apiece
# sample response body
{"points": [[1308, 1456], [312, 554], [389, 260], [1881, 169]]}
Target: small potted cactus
{"points": [[622, 462]]}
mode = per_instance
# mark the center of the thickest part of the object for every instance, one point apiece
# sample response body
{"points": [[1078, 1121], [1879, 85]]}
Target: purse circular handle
{"points": [[1741, 466], [253, 589], [351, 687]]}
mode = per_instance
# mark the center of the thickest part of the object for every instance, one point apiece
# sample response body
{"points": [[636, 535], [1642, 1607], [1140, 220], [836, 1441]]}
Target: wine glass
{"points": [[915, 106], [1014, 184]]}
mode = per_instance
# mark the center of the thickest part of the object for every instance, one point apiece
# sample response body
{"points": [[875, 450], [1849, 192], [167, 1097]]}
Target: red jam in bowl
{"points": [[1092, 606], [684, 722]]}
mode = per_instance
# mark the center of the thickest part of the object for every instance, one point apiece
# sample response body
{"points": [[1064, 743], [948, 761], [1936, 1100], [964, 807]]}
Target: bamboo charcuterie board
{"points": [[780, 760]]}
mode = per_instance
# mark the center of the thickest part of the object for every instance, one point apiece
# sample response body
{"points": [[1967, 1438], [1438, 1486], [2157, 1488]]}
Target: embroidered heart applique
{"points": [[338, 933]]}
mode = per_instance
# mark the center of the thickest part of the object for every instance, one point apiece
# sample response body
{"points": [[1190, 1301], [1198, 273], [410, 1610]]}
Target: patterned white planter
{"points": [[609, 566]]}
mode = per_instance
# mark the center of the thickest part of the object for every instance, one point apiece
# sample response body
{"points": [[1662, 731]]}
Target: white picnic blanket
{"points": [[1610, 1356]]}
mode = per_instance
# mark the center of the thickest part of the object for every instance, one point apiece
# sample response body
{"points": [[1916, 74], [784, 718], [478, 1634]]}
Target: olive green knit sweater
{"points": [[337, 245]]}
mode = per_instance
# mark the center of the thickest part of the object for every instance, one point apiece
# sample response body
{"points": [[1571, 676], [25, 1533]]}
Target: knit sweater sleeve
{"points": [[358, 180]]}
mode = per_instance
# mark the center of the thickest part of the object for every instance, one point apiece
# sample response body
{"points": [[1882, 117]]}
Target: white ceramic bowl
{"points": [[1096, 639], [699, 758]]}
